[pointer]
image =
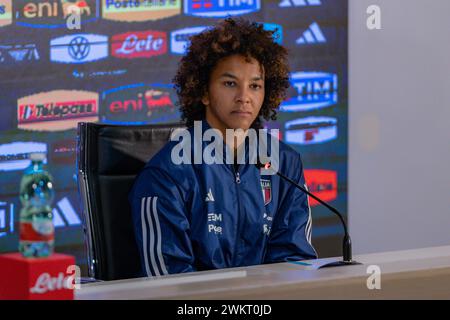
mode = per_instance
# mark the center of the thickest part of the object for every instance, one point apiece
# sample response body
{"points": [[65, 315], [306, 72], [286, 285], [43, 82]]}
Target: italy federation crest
{"points": [[266, 188]]}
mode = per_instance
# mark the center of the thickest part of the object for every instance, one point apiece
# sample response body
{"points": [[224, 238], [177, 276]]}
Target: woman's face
{"points": [[235, 93]]}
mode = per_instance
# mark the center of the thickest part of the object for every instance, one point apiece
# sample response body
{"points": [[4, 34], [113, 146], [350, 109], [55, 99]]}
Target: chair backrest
{"points": [[108, 159]]}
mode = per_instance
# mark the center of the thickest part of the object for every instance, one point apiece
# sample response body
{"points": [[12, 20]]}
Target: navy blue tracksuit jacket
{"points": [[191, 217]]}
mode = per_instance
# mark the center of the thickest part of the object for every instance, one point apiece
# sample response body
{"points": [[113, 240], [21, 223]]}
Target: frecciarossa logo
{"points": [[53, 13], [139, 44], [57, 110], [139, 104], [322, 183]]}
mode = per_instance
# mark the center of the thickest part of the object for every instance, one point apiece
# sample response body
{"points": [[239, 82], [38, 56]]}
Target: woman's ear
{"points": [[205, 99]]}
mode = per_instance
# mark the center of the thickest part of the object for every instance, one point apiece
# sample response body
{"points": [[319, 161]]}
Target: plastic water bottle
{"points": [[37, 231]]}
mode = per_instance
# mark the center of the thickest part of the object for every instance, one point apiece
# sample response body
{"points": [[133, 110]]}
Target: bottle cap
{"points": [[37, 156]]}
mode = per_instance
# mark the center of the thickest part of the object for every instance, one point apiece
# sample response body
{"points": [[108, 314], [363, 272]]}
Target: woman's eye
{"points": [[229, 83], [256, 86]]}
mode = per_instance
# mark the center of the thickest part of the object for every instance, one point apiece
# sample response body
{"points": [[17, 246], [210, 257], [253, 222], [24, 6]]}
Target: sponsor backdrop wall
{"points": [[117, 68]]}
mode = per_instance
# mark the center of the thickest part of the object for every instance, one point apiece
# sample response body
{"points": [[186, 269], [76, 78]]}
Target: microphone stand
{"points": [[347, 242]]}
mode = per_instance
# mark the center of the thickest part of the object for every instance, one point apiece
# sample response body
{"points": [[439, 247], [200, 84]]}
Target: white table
{"points": [[411, 274]]}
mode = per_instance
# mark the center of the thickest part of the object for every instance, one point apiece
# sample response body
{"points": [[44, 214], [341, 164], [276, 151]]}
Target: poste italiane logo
{"points": [[139, 10]]}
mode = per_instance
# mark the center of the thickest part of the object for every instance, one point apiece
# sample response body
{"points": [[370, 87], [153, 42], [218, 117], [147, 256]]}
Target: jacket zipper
{"points": [[238, 178], [239, 218]]}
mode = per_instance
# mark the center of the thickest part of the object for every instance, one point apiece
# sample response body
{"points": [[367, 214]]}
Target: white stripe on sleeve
{"points": [[152, 238], [158, 233], [144, 236]]}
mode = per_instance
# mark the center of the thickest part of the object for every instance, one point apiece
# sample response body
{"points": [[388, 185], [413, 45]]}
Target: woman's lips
{"points": [[242, 113]]}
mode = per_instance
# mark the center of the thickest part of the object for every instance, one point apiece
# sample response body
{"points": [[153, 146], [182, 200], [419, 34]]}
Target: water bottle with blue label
{"points": [[37, 231]]}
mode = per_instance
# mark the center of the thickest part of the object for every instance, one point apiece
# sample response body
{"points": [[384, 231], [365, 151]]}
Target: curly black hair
{"points": [[229, 37]]}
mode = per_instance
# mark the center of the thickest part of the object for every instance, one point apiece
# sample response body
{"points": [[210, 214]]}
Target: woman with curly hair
{"points": [[233, 40], [199, 216]]}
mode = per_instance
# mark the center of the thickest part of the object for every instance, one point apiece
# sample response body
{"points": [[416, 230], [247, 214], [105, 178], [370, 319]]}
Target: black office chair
{"points": [[108, 159]]}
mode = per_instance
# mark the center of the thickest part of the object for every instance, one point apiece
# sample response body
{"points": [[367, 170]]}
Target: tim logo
{"points": [[139, 10], [57, 110], [179, 39], [220, 8], [314, 90], [143, 44], [54, 13], [18, 53], [15, 155], [298, 3], [140, 104], [322, 183], [79, 48], [310, 130], [6, 218], [5, 12]]}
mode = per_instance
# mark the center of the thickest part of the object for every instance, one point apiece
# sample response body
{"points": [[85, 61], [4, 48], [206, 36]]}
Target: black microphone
{"points": [[347, 243]]}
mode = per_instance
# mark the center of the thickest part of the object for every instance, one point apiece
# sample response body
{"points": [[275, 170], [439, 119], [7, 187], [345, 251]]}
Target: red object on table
{"points": [[36, 278]]}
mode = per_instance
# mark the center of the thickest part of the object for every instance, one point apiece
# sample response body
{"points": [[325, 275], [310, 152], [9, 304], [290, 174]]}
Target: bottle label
{"points": [[37, 231]]}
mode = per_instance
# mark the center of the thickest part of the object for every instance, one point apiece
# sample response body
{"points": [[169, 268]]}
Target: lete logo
{"points": [[142, 44], [45, 282]]}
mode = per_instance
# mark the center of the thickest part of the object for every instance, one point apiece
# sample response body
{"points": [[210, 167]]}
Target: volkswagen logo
{"points": [[79, 48]]}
